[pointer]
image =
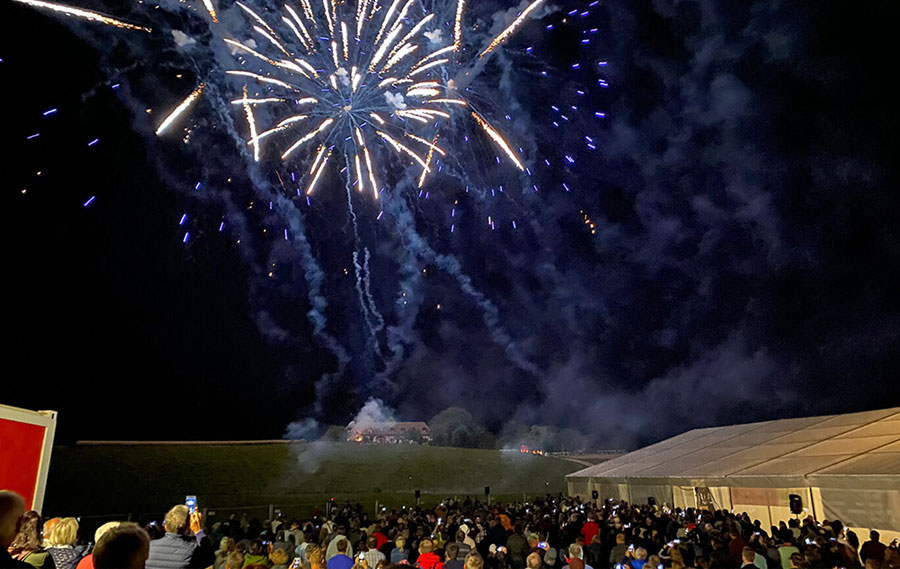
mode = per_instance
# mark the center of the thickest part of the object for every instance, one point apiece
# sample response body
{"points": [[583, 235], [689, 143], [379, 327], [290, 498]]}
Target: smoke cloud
{"points": [[719, 246]]}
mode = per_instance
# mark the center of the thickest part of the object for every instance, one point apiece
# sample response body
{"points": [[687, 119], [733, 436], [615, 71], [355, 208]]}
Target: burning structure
{"points": [[389, 432]]}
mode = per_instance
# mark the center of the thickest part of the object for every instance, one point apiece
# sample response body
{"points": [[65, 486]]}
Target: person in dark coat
{"points": [[12, 507], [184, 545], [872, 549], [124, 547]]}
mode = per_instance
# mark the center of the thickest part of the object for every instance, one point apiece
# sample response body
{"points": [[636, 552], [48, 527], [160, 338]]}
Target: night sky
{"points": [[728, 251]]}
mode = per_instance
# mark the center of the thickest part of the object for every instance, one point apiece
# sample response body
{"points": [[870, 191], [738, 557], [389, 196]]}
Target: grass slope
{"points": [[138, 479]]}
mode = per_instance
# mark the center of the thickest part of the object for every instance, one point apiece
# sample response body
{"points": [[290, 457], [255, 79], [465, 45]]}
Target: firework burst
{"points": [[340, 78]]}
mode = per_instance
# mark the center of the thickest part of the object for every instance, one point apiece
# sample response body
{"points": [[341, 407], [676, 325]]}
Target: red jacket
{"points": [[589, 530], [429, 561]]}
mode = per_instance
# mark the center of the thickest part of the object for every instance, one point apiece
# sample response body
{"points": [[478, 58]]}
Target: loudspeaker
{"points": [[418, 494], [796, 503], [595, 494], [487, 490]]}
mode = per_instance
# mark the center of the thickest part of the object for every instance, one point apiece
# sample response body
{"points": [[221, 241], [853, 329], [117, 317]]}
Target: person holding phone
{"points": [[617, 555], [372, 555], [184, 544]]}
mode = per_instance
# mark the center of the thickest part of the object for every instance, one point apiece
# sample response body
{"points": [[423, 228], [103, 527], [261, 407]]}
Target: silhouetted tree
{"points": [[456, 427]]}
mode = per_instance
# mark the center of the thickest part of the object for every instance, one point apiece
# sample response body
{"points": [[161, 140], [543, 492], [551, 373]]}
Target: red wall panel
{"points": [[20, 457]]}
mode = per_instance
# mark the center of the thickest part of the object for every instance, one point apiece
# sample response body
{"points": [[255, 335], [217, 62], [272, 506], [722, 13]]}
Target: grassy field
{"points": [[118, 480]]}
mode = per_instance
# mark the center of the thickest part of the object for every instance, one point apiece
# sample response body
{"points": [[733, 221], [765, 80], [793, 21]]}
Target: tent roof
{"points": [[866, 444]]}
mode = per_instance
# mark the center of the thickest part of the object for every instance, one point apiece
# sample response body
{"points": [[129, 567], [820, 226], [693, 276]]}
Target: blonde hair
{"points": [[315, 555], [105, 528], [48, 527], [400, 542], [474, 561], [279, 557], [176, 519], [65, 532]]}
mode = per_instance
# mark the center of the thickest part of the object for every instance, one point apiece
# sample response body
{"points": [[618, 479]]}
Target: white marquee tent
{"points": [[844, 467]]}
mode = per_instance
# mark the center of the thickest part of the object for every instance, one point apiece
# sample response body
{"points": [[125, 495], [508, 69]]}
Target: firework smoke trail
{"points": [[420, 249], [315, 278], [292, 217], [312, 272], [369, 310], [368, 287], [421, 105]]}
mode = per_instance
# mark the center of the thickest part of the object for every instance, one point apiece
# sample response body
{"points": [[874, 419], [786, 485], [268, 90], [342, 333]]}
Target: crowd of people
{"points": [[551, 533]]}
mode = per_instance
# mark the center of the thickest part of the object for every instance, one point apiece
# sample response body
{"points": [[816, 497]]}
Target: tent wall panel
{"points": [[578, 487], [722, 496], [640, 492], [684, 497], [863, 508]]}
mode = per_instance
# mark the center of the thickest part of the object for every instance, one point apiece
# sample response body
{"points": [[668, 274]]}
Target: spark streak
{"points": [[325, 124], [359, 175], [511, 29], [263, 79], [319, 155], [318, 173], [431, 145], [427, 66], [401, 148], [328, 17], [83, 14], [255, 16], [251, 122], [398, 56], [167, 122], [384, 47], [425, 92], [371, 171], [212, 10], [457, 26], [431, 149], [387, 17], [271, 39], [433, 54], [304, 37], [495, 136], [251, 101], [449, 102]]}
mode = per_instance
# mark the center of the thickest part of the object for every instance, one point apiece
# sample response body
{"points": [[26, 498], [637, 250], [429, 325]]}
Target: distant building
{"points": [[390, 433]]}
